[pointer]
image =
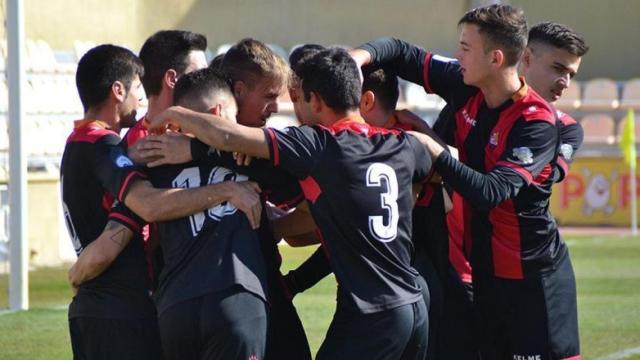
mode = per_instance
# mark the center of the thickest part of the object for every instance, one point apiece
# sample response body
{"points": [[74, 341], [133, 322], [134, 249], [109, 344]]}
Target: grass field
{"points": [[607, 269]]}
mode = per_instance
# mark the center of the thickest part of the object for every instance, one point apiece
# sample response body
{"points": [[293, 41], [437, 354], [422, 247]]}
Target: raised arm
{"points": [[214, 131]]}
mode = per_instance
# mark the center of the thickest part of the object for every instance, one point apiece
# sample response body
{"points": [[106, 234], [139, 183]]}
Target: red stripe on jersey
{"points": [[425, 195], [324, 245], [519, 169], [505, 241], [139, 131], [577, 357], [358, 126], [89, 132], [425, 72], [565, 119], [310, 188], [274, 147], [563, 164], [457, 257], [107, 201], [546, 172], [134, 225], [125, 183]]}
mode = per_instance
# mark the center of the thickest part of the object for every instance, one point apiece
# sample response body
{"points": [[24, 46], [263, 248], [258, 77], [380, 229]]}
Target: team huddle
{"points": [[437, 254]]}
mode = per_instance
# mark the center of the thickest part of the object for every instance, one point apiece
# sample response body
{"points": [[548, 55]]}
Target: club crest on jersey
{"points": [[493, 140], [566, 150], [523, 154], [468, 119], [123, 161]]}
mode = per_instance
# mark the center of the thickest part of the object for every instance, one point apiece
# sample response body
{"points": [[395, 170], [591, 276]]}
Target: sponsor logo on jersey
{"points": [[566, 150], [493, 140], [523, 154], [527, 357], [468, 118], [123, 161]]}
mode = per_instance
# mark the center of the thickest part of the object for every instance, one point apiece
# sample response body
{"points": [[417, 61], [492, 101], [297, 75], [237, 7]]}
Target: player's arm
{"points": [[215, 131], [309, 273], [128, 184], [155, 205], [513, 172], [571, 137], [297, 228], [404, 59], [100, 253]]}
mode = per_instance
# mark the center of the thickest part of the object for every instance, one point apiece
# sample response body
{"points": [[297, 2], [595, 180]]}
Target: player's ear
{"points": [[526, 57], [316, 102], [118, 91], [216, 110], [239, 89], [170, 78], [497, 57], [367, 101]]}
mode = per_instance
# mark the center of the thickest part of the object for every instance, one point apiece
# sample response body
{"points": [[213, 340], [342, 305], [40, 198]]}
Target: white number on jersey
{"points": [[388, 201], [190, 178]]}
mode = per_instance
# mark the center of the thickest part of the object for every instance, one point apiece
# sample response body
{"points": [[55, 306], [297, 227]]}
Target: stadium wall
{"points": [[611, 27]]}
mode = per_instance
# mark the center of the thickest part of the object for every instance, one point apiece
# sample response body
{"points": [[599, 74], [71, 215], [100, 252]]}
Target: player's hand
{"points": [[169, 148], [242, 159], [72, 280], [166, 119], [245, 196]]}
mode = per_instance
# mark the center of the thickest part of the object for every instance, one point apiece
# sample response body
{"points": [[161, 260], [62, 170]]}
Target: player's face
{"points": [[475, 62], [256, 103], [130, 103], [549, 70]]}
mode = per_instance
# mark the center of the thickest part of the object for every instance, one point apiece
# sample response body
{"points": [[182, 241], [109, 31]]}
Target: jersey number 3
{"points": [[388, 201]]}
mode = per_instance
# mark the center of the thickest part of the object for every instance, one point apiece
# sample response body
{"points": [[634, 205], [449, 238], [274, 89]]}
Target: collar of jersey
{"points": [[79, 124], [522, 92]]}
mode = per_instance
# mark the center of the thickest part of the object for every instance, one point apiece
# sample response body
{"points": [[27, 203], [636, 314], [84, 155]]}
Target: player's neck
{"points": [[330, 117], [501, 87], [106, 114], [158, 104]]}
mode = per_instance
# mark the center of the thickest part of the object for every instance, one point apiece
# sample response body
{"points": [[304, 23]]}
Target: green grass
{"points": [[607, 269]]}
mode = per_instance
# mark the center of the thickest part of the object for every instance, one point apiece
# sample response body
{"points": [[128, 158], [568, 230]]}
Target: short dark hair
{"points": [[251, 60], [384, 85], [164, 50], [560, 36], [333, 75], [100, 67], [198, 84], [216, 62], [504, 26]]}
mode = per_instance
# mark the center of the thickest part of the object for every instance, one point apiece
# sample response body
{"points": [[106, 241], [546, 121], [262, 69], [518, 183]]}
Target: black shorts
{"points": [[457, 331], [533, 318], [230, 324], [98, 338], [286, 339], [399, 333]]}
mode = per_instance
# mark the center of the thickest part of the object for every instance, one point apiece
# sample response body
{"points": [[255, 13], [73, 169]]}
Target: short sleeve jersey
{"points": [[357, 180], [95, 176]]}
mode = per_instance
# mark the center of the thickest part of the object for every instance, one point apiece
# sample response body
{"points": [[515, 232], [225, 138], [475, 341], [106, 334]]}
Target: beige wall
{"points": [[610, 27]]}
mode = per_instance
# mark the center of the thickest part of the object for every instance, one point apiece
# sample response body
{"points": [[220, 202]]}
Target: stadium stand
{"points": [[631, 94], [598, 129], [600, 95]]}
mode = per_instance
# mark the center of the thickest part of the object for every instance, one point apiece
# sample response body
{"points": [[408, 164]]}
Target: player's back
{"points": [[208, 251], [87, 182], [358, 180]]}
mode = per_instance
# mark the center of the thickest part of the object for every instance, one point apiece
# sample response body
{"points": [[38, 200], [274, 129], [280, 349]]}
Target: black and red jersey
{"points": [[209, 251], [357, 180], [95, 176], [571, 136], [507, 154]]}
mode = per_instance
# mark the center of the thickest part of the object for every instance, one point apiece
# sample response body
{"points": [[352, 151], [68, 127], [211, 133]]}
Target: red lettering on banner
{"points": [[625, 190], [572, 189]]}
